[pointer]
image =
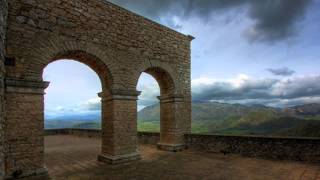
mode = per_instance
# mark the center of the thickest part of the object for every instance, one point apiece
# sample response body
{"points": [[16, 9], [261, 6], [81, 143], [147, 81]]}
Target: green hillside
{"points": [[307, 129], [150, 113], [236, 119], [87, 125], [221, 118], [213, 117]]}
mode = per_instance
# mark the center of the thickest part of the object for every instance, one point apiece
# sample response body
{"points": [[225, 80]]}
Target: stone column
{"points": [[172, 123], [2, 120], [119, 126], [24, 139], [3, 27]]}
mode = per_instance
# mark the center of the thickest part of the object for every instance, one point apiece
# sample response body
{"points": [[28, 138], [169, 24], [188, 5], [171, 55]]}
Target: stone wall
{"points": [[3, 17], [24, 137], [114, 42], [129, 43], [143, 137], [149, 138], [91, 133], [278, 148]]}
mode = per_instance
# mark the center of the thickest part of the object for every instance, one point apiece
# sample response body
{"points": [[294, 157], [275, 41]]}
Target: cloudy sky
{"points": [[245, 51]]}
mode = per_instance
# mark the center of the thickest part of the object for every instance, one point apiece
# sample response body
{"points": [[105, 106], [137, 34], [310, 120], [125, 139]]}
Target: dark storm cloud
{"points": [[154, 9], [296, 89], [285, 71], [276, 102], [273, 19], [249, 89]]}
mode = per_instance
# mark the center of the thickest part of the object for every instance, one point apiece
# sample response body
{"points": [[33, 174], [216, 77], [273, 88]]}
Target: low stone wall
{"points": [[143, 137], [148, 138], [91, 133], [279, 148]]}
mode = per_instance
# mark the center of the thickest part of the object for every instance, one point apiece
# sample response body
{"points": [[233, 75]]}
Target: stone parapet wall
{"points": [[3, 17], [91, 133], [149, 138], [143, 137], [278, 148]]}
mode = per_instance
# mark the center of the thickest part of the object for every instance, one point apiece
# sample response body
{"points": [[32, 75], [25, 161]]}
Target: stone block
{"points": [[119, 159]]}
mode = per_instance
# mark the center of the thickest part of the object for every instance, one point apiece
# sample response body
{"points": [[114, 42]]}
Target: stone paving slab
{"points": [[71, 157]]}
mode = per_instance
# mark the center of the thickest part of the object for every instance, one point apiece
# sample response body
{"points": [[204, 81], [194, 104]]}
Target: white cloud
{"points": [[242, 89], [91, 104], [247, 90]]}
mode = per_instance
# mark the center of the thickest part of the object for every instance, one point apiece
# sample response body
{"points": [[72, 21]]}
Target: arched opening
{"points": [[164, 79], [170, 110], [148, 104], [92, 61], [71, 102]]}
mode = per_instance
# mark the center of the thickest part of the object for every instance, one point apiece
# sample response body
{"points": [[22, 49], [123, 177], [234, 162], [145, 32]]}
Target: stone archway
{"points": [[102, 36], [172, 104], [25, 106]]}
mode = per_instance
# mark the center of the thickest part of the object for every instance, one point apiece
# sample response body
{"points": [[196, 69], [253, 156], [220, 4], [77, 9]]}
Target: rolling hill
{"points": [[221, 118], [237, 119]]}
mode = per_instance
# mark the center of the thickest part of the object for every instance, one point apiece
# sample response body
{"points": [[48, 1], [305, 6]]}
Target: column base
{"points": [[38, 173], [172, 147], [119, 158]]}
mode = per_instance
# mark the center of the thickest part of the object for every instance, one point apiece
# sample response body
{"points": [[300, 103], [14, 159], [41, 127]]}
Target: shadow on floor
{"points": [[71, 157]]}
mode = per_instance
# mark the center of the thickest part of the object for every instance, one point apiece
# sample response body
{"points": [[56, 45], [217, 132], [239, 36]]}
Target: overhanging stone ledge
{"points": [[15, 85], [171, 98], [116, 94]]}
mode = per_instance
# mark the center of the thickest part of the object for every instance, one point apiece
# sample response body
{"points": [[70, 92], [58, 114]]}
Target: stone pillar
{"points": [[187, 113], [24, 132], [119, 126], [2, 120], [3, 27], [172, 123]]}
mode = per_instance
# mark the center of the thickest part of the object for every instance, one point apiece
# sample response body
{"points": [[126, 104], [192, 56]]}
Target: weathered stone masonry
{"points": [[118, 45], [3, 17], [276, 148]]}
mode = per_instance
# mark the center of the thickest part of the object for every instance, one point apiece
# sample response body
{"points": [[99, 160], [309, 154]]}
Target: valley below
{"points": [[220, 118]]}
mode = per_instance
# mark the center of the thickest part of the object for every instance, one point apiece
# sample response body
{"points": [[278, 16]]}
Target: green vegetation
{"points": [[231, 119], [88, 125], [199, 128], [236, 119], [152, 126]]}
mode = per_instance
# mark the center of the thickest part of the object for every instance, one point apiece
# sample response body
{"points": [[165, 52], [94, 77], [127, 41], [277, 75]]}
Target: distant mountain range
{"points": [[304, 110], [222, 118], [73, 120], [238, 119]]}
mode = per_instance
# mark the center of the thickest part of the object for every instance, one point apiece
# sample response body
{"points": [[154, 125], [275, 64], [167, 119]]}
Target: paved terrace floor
{"points": [[71, 157]]}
